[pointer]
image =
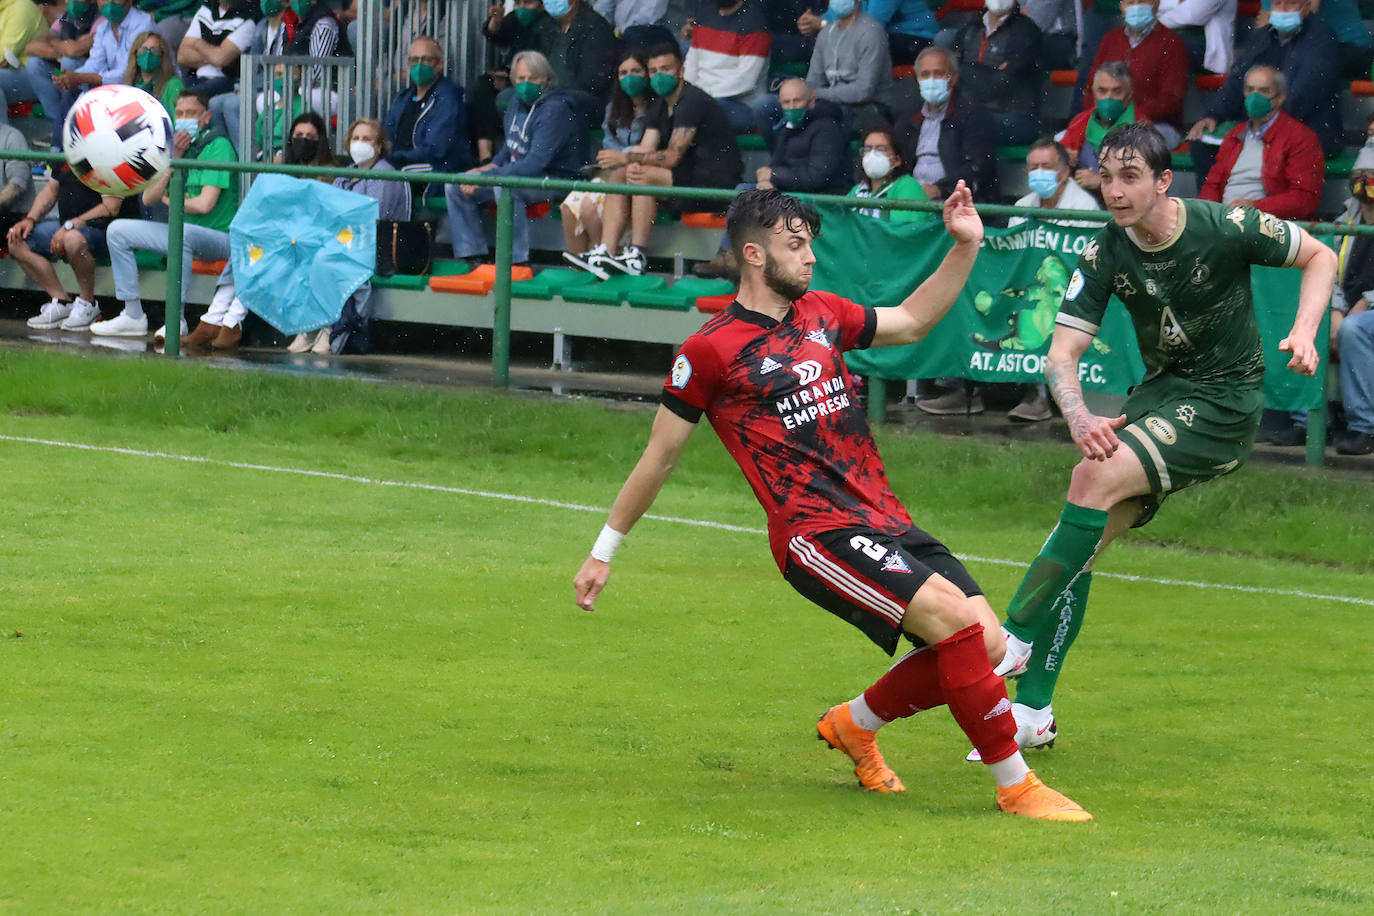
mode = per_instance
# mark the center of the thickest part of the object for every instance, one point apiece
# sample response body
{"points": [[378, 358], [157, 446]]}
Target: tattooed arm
{"points": [[1095, 436], [679, 142]]}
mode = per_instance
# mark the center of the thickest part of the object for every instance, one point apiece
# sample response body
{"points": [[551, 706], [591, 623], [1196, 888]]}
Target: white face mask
{"points": [[999, 6], [876, 165], [362, 151]]}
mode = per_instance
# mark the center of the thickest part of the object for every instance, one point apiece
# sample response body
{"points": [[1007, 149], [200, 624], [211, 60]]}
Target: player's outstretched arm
{"points": [[922, 310], [666, 440], [1318, 265], [1095, 436]]}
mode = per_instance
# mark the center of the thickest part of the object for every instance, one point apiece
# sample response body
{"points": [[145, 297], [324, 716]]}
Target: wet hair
{"points": [[753, 214], [1051, 143], [1141, 140]]}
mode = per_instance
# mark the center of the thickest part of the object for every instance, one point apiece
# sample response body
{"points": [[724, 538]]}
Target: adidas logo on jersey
{"points": [[818, 336], [769, 365]]}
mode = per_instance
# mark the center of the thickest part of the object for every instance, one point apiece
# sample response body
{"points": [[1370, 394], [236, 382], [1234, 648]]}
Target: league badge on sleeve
{"points": [[1075, 286], [682, 371]]}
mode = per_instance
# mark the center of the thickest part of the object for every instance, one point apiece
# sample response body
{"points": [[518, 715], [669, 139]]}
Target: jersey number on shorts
{"points": [[867, 547]]}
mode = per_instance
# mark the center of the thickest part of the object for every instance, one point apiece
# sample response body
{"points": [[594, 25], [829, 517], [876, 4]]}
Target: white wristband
{"points": [[606, 544]]}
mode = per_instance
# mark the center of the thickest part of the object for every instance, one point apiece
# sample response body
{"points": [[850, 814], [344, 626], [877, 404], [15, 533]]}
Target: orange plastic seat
{"points": [[712, 304], [20, 109], [477, 283], [1210, 81], [532, 211], [903, 72], [207, 268], [1362, 87], [1064, 77], [703, 220]]}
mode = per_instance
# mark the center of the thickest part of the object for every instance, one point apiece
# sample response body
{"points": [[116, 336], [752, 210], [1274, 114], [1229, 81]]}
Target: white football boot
{"points": [[1034, 728]]}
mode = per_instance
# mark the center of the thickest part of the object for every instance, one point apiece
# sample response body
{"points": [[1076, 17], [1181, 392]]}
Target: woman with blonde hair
{"points": [[152, 68]]}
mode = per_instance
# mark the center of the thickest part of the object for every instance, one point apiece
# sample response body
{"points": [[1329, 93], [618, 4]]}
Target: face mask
{"points": [[525, 15], [557, 8], [876, 165], [999, 6], [935, 91], [663, 83], [1110, 109], [189, 125], [1257, 106], [114, 12], [301, 149], [361, 151], [279, 84], [634, 84], [1286, 23], [841, 8], [78, 9], [1044, 182], [1139, 16], [528, 92], [272, 7], [422, 74], [149, 61], [301, 7], [793, 116]]}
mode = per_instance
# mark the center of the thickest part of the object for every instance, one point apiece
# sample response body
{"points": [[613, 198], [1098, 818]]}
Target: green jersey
{"points": [[1189, 297]]}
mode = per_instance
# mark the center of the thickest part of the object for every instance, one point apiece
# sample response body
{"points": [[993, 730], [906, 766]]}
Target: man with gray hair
{"points": [[1113, 94], [544, 138], [1271, 161], [950, 138]]}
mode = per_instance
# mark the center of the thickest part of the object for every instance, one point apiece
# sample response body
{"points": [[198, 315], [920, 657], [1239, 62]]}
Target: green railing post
{"points": [[500, 319], [1316, 434], [176, 198]]}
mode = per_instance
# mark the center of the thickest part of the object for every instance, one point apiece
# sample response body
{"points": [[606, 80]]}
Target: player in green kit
{"points": [[1182, 268]]}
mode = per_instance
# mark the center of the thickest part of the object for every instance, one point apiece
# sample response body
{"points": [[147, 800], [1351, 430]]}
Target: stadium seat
{"points": [[613, 291], [713, 304], [551, 282], [1209, 82], [477, 283], [903, 72], [149, 260], [402, 281], [20, 109], [703, 220], [532, 211], [1064, 78], [447, 267], [207, 268], [751, 142], [1362, 88], [681, 296]]}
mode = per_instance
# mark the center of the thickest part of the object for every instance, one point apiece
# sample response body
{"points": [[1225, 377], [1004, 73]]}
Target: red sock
{"points": [[977, 698], [911, 685]]}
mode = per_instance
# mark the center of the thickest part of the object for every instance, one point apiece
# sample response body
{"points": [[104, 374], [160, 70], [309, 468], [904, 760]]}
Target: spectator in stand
{"points": [[1346, 21], [511, 33], [307, 143], [1215, 49], [544, 138], [1158, 61], [63, 47], [1113, 101], [886, 176], [113, 39], [219, 34], [270, 36], [319, 32], [77, 236], [622, 130], [173, 18], [809, 157], [580, 47], [20, 23], [1352, 320], [152, 69], [1304, 50], [910, 25], [952, 139], [211, 199], [639, 24], [728, 59], [425, 120], [1271, 162], [788, 43], [688, 142], [999, 58], [1060, 23], [851, 67], [16, 180]]}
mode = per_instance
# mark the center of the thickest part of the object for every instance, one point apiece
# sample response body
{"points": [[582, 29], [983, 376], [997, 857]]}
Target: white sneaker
{"points": [[121, 325], [50, 316], [594, 262], [299, 344], [630, 260], [1034, 728], [161, 333], [321, 345], [1017, 657], [82, 315]]}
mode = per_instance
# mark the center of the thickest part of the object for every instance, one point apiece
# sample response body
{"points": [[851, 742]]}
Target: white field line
{"points": [[698, 523]]}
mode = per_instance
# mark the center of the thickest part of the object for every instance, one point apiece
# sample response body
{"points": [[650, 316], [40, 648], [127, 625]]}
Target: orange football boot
{"points": [[1032, 798], [837, 729]]}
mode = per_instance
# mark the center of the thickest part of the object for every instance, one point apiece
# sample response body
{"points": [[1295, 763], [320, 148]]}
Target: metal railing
{"points": [[501, 291], [385, 30], [324, 85]]}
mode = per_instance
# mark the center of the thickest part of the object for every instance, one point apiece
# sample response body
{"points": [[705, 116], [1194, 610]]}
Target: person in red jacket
{"points": [[1158, 59], [1272, 162]]}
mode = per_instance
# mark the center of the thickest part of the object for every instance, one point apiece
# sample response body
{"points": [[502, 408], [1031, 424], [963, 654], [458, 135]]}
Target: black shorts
{"points": [[868, 578]]}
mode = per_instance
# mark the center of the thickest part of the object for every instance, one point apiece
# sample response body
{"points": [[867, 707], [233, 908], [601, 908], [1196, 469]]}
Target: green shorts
{"points": [[1185, 433]]}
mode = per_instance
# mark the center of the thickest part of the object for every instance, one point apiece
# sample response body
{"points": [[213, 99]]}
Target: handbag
{"points": [[404, 246]]}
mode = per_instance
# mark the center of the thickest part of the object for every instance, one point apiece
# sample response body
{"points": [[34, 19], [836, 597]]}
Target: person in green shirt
{"points": [[152, 68], [211, 199], [882, 163], [1182, 269]]}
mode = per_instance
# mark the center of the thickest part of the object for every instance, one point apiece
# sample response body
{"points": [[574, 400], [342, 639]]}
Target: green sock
{"points": [[1035, 688], [1068, 550]]}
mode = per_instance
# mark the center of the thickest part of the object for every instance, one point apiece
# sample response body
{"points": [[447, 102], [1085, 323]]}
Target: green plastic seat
{"points": [[149, 260], [613, 291], [681, 296], [751, 142], [447, 267], [1340, 166], [402, 281], [1013, 153], [553, 281]]}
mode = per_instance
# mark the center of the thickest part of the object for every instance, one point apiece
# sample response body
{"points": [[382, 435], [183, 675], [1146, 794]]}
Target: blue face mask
{"points": [[935, 90], [556, 8], [1285, 23], [1138, 16], [189, 125], [1044, 182], [841, 8]]}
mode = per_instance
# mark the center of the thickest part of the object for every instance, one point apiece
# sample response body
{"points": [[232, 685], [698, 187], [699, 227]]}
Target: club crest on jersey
{"points": [[682, 371], [895, 563], [808, 370], [1200, 273], [1185, 414], [818, 336], [768, 365], [1123, 286]]}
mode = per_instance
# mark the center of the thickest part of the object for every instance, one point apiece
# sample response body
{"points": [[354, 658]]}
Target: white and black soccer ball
{"points": [[118, 139]]}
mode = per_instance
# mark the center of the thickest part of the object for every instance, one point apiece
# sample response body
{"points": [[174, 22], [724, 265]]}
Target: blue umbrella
{"points": [[299, 248]]}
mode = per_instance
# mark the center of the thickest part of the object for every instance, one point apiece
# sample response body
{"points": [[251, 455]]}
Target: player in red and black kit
{"points": [[768, 373]]}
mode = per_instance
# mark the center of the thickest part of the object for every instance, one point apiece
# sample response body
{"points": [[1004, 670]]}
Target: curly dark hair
{"points": [[753, 214], [1138, 139]]}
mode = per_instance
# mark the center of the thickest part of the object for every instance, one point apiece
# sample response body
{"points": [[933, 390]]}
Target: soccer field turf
{"points": [[244, 689]]}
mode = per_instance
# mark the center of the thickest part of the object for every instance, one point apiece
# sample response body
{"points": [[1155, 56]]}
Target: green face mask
{"points": [[1110, 109], [272, 7], [663, 83], [148, 61], [634, 84], [422, 74], [115, 12], [793, 116], [528, 92], [1257, 105], [78, 9], [525, 15]]}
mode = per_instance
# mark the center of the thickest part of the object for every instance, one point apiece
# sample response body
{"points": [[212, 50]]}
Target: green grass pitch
{"points": [[233, 689]]}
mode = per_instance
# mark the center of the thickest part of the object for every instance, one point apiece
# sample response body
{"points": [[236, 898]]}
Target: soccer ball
{"points": [[118, 139]]}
